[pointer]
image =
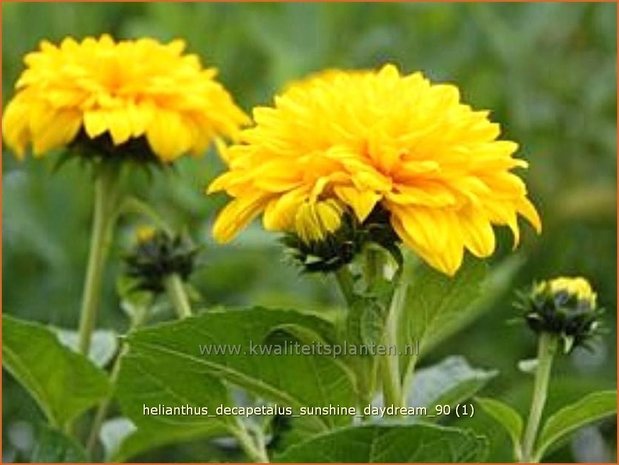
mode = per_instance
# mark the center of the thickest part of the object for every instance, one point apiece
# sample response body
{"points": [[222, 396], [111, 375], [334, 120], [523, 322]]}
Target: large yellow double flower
{"points": [[349, 141], [128, 90]]}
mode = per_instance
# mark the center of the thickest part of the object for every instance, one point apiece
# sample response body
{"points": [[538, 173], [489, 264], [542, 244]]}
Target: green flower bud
{"points": [[157, 255], [563, 306], [337, 248]]}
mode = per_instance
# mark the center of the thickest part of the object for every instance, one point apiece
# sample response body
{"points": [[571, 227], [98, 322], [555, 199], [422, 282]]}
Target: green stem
{"points": [[346, 283], [104, 219], [103, 406], [390, 362], [136, 321], [373, 266], [176, 292], [254, 448], [546, 351]]}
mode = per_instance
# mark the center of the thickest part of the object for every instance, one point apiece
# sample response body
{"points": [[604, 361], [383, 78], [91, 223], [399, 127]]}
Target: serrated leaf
{"points": [[507, 417], [364, 322], [435, 301], [62, 382], [590, 408], [155, 380], [494, 284], [449, 382], [122, 440], [389, 443], [52, 446], [183, 362]]}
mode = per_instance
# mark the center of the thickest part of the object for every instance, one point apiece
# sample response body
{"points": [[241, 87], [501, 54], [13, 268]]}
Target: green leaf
{"points": [[122, 440], [157, 380], [52, 446], [507, 417], [389, 443], [178, 363], [590, 408], [493, 284], [364, 322], [435, 301], [62, 382], [449, 382]]}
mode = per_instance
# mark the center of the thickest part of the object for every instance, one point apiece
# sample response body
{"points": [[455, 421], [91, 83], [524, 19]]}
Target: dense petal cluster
{"points": [[124, 90], [364, 139]]}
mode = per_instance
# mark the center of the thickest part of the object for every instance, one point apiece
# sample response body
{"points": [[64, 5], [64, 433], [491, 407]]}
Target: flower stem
{"points": [[373, 266], [254, 448], [104, 219], [136, 321], [546, 351], [390, 362], [103, 406], [176, 292], [346, 284]]}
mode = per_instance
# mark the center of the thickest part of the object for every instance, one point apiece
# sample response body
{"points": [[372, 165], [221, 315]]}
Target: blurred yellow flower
{"points": [[371, 138], [124, 90]]}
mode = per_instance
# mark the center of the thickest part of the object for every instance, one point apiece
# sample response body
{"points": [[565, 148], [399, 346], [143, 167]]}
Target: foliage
{"points": [[530, 63]]}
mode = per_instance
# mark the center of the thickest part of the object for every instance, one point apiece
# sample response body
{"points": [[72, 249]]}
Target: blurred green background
{"points": [[547, 72]]}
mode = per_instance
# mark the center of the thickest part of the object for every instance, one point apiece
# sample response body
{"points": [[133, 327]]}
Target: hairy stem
{"points": [[103, 406], [176, 292], [253, 446], [346, 284], [545, 354], [390, 362], [107, 197]]}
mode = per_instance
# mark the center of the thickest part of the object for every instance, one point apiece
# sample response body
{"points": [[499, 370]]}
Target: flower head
{"points": [[156, 255], [348, 143], [131, 95], [563, 306]]}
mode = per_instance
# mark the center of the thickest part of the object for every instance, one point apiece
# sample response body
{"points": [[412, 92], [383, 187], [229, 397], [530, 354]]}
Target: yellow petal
{"points": [[60, 130], [95, 123], [477, 232], [433, 234], [280, 212], [313, 221], [424, 194], [119, 126], [236, 215], [15, 126], [447, 260], [526, 209], [168, 136], [362, 202], [277, 176]]}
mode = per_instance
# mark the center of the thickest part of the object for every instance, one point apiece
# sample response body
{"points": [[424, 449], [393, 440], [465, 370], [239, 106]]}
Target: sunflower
{"points": [[352, 142], [136, 95]]}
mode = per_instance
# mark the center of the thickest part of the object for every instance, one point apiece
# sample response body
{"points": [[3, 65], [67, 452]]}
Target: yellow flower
{"points": [[123, 90], [578, 287], [369, 139]]}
